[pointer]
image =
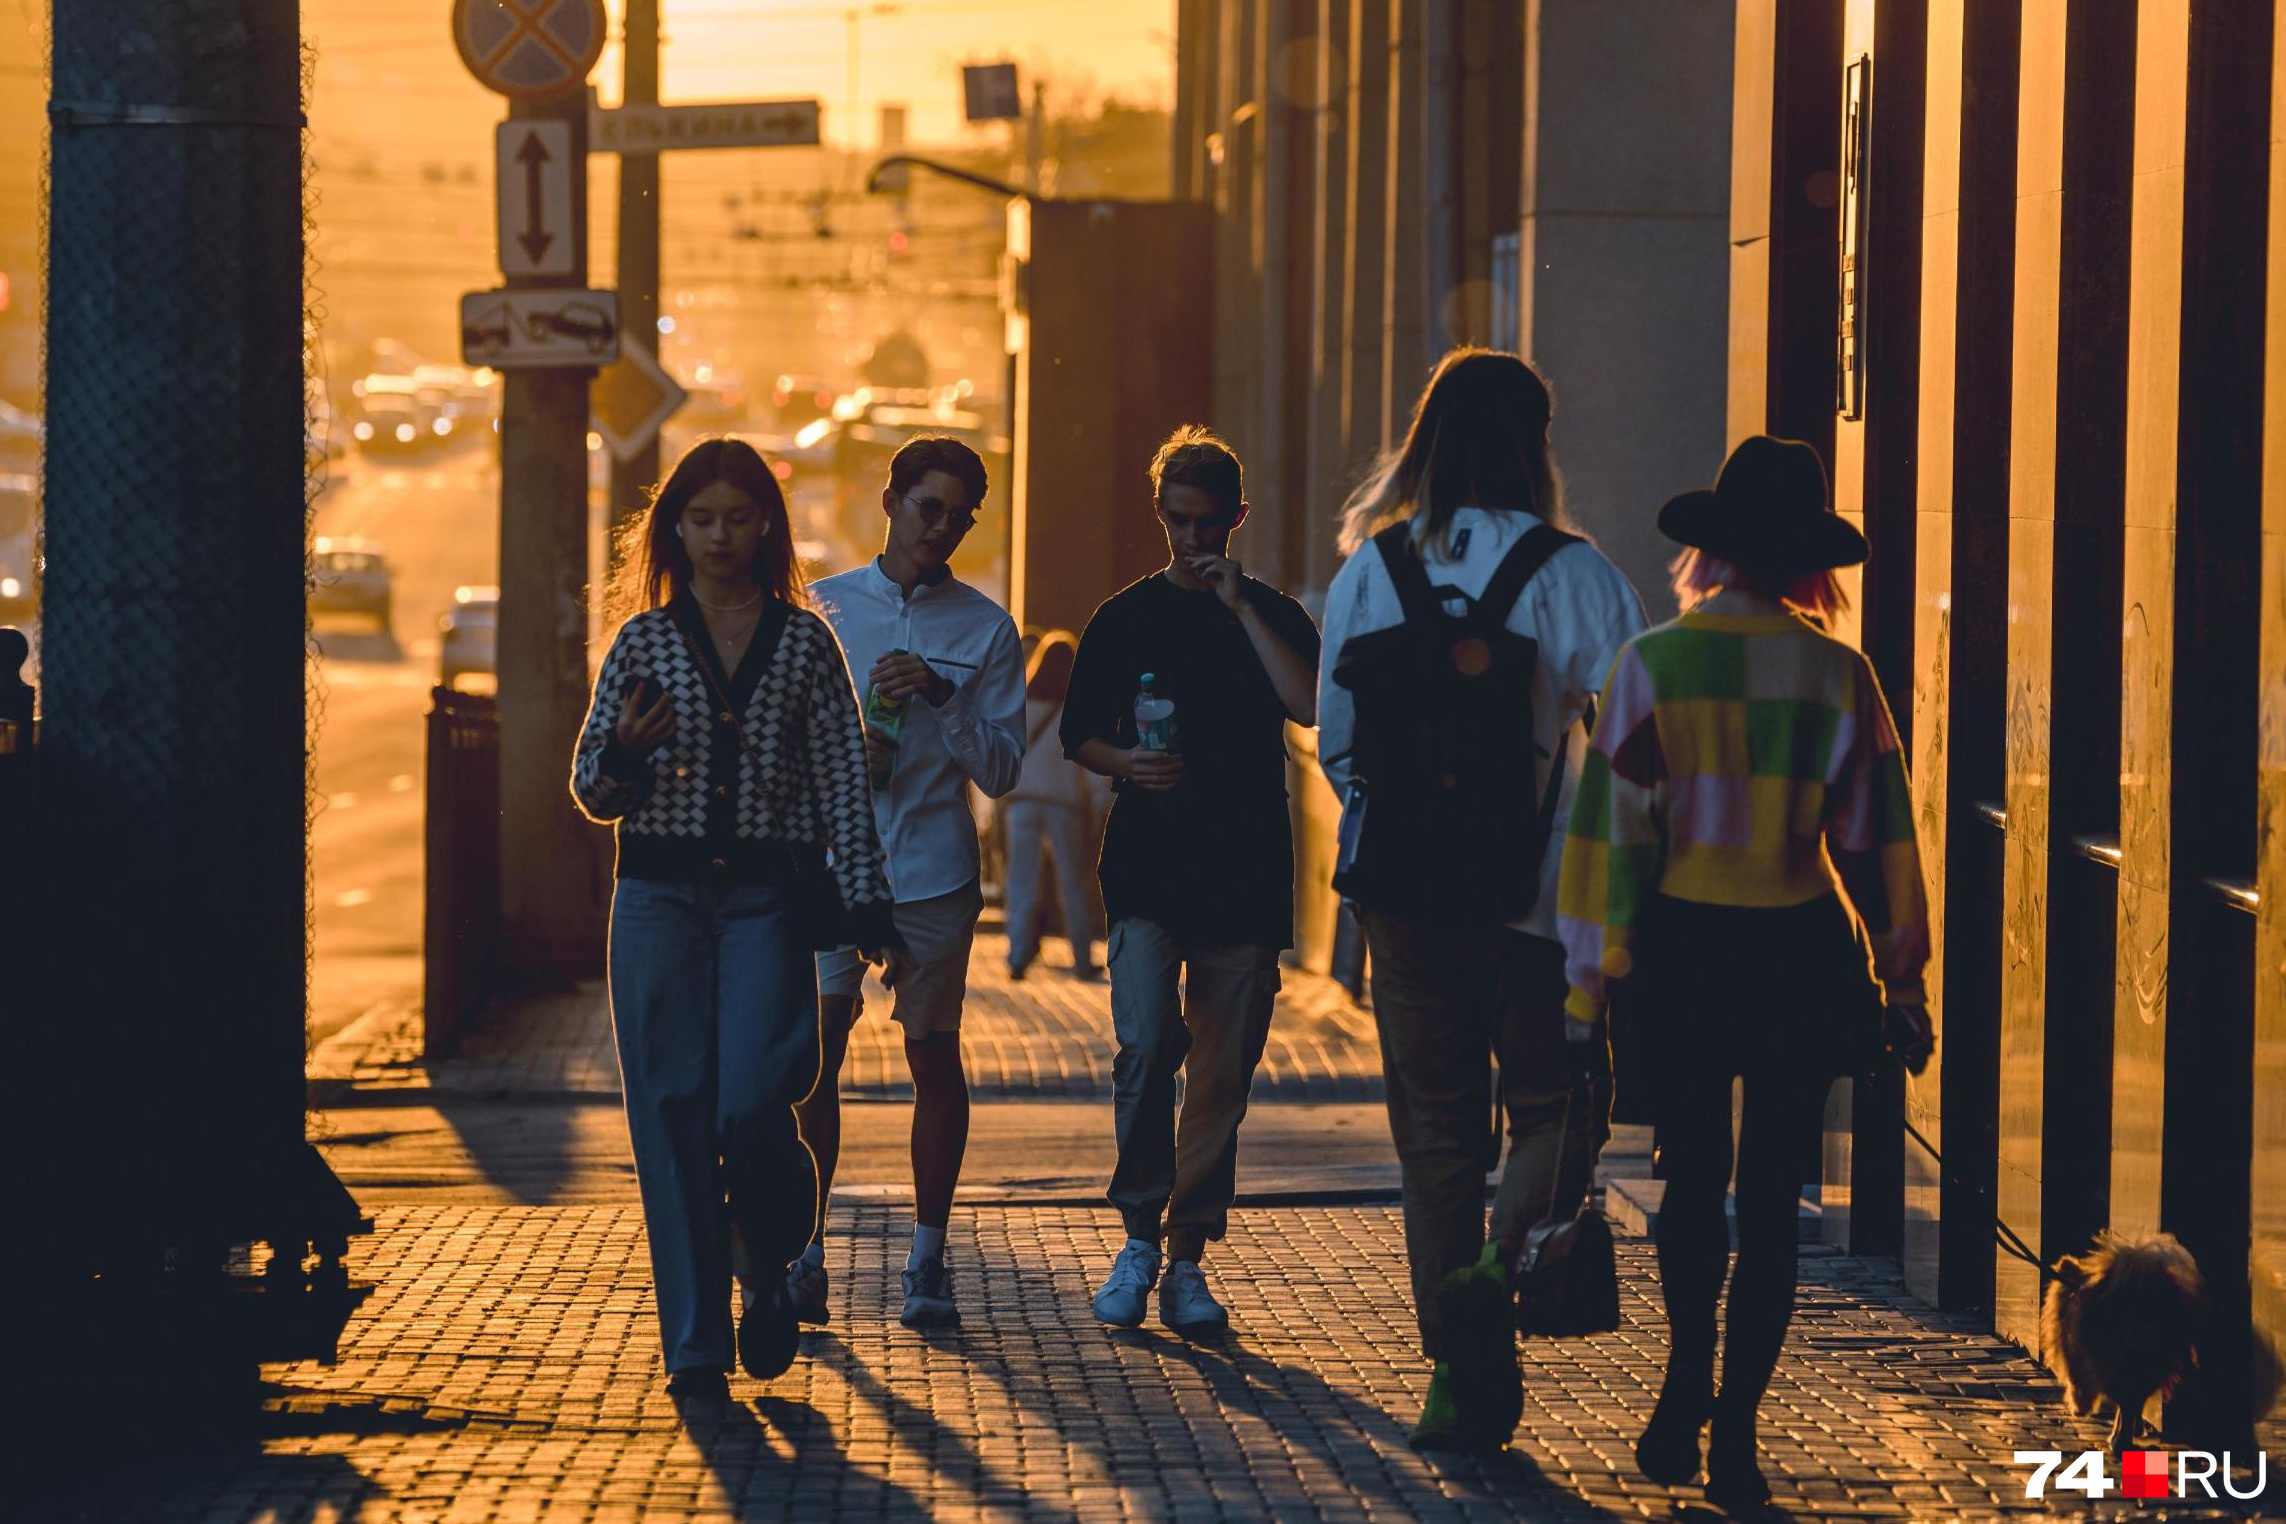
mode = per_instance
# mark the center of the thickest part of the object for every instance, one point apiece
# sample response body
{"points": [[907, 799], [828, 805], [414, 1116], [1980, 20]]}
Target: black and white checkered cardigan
{"points": [[801, 776]]}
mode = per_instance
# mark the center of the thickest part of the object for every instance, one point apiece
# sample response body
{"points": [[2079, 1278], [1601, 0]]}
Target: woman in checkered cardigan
{"points": [[723, 742]]}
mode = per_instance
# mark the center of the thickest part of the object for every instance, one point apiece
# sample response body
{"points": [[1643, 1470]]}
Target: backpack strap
{"points": [[1517, 568], [1406, 573]]}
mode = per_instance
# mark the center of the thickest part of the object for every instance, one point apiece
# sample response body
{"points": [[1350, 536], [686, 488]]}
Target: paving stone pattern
{"points": [[506, 1369], [1046, 1037]]}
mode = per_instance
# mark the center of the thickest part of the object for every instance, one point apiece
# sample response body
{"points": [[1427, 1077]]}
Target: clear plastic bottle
{"points": [[885, 719], [1154, 717]]}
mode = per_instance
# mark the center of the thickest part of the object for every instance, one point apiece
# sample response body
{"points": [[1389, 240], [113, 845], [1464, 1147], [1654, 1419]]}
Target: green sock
{"points": [[1438, 1412]]}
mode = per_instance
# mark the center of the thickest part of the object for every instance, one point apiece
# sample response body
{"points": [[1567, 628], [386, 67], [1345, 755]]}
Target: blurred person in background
{"points": [[1050, 811]]}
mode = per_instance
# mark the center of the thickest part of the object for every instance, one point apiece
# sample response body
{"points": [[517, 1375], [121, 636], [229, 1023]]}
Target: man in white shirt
{"points": [[952, 662]]}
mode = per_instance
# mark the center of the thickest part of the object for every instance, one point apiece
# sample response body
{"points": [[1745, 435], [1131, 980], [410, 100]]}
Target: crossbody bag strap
{"points": [[1407, 575]]}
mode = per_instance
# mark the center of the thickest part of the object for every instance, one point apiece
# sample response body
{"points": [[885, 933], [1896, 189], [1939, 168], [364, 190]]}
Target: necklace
{"points": [[728, 608], [730, 642]]}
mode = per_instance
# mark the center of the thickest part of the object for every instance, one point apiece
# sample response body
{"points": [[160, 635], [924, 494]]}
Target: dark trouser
{"points": [[1203, 1011], [714, 1006], [1764, 997], [1447, 1000]]}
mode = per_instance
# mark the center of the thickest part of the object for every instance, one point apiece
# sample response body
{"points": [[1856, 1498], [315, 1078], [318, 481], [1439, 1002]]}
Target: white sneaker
{"points": [[1121, 1302], [1185, 1304]]}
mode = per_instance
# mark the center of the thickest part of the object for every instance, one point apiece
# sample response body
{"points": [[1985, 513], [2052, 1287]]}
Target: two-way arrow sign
{"points": [[534, 174]]}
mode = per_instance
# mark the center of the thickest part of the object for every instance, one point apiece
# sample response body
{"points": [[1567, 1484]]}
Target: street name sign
{"points": [[719, 124], [534, 175], [629, 400], [529, 50], [533, 330]]}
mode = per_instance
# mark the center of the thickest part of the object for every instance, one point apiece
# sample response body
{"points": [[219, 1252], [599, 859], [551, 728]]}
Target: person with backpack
{"points": [[1745, 774], [1181, 693], [1049, 813], [1466, 636]]}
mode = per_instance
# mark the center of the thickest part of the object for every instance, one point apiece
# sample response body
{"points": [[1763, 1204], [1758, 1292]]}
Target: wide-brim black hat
{"points": [[1768, 509]]}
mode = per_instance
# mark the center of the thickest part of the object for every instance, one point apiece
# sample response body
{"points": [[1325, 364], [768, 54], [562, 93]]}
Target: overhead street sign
{"points": [[628, 401], [529, 50], [533, 330], [989, 91], [533, 162], [719, 124]]}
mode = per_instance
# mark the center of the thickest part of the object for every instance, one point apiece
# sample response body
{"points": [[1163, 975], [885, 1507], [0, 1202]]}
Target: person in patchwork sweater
{"points": [[1744, 775]]}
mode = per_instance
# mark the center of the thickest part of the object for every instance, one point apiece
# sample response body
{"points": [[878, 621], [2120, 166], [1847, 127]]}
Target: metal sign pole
{"points": [[637, 275], [552, 917]]}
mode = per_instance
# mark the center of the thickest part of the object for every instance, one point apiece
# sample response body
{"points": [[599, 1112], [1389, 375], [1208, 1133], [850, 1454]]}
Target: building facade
{"points": [[2016, 269]]}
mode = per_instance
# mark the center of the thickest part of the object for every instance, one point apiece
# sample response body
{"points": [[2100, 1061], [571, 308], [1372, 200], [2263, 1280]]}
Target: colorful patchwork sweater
{"points": [[1743, 757]]}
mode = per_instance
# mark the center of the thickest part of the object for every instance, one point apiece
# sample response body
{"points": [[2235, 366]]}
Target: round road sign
{"points": [[529, 50]]}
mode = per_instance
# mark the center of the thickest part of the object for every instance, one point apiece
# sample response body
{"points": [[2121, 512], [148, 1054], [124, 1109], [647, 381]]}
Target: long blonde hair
{"points": [[1478, 439]]}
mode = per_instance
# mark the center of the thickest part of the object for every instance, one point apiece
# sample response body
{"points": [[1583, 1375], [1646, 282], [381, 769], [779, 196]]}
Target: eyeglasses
{"points": [[937, 511]]}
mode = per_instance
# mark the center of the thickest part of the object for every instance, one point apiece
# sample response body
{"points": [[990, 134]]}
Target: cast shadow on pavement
{"points": [[950, 1456]]}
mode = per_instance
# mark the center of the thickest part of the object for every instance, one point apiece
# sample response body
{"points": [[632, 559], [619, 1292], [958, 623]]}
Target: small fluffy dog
{"points": [[2121, 1325]]}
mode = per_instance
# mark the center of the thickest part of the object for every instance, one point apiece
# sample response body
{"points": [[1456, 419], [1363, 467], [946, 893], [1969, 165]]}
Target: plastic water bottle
{"points": [[885, 719], [1154, 717]]}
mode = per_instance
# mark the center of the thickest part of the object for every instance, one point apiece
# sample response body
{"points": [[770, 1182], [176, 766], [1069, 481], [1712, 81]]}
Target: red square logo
{"points": [[2143, 1474]]}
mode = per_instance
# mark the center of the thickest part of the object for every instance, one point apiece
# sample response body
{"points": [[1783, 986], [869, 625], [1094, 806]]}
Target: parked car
{"points": [[389, 421], [350, 577], [471, 632]]}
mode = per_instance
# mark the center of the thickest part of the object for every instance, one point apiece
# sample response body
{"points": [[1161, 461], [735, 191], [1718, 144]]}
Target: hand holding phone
{"points": [[646, 717]]}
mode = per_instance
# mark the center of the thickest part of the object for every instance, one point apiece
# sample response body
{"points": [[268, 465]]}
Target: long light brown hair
{"points": [[1478, 439]]}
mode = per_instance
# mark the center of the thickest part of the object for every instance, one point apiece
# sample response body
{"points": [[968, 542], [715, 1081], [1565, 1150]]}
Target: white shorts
{"points": [[940, 932]]}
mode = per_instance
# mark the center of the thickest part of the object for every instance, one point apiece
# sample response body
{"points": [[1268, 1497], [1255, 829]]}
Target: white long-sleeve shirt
{"points": [[978, 735], [1579, 607]]}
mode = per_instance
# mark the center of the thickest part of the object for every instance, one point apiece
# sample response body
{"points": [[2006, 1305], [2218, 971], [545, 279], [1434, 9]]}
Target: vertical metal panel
{"points": [[1365, 250], [2154, 399], [2031, 540], [2266, 1192]]}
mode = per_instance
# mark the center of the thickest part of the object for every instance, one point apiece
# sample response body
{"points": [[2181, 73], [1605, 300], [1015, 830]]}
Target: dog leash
{"points": [[2002, 1234]]}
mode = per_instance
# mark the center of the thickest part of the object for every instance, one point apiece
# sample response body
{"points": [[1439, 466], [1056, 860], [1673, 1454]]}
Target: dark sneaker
{"points": [[1185, 1304], [1479, 1326], [768, 1334], [806, 1285], [929, 1296], [1443, 1426], [700, 1383]]}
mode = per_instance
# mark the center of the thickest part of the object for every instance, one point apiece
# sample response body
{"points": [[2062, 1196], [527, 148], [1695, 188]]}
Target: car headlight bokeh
{"points": [[10, 587], [404, 433], [363, 430]]}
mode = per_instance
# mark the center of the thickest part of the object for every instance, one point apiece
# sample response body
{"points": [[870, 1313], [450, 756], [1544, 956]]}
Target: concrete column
{"points": [[1364, 426], [1285, 73], [1405, 357], [1624, 184], [1328, 477]]}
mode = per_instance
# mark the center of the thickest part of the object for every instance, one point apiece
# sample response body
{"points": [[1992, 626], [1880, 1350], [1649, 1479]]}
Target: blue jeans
{"points": [[715, 1010]]}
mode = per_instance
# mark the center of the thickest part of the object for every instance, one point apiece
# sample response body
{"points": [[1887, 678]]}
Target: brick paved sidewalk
{"points": [[506, 1369], [1046, 1036]]}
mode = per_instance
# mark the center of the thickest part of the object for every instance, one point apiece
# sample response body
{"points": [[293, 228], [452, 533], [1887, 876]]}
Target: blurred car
{"points": [[16, 542], [797, 399], [350, 577], [471, 632], [391, 423]]}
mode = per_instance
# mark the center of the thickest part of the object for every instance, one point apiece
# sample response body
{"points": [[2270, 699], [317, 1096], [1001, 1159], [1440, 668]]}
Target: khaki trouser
{"points": [[1447, 1000], [1204, 1011]]}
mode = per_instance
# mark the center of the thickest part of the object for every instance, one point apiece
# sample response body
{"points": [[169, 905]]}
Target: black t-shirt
{"points": [[1212, 861]]}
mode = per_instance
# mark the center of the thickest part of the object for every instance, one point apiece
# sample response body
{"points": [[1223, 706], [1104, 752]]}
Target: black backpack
{"points": [[1443, 822]]}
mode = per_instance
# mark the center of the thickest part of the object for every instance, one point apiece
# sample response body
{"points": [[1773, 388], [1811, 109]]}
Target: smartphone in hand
{"points": [[647, 692]]}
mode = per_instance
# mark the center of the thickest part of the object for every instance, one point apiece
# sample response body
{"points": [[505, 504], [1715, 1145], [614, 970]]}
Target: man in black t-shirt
{"points": [[1198, 865]]}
